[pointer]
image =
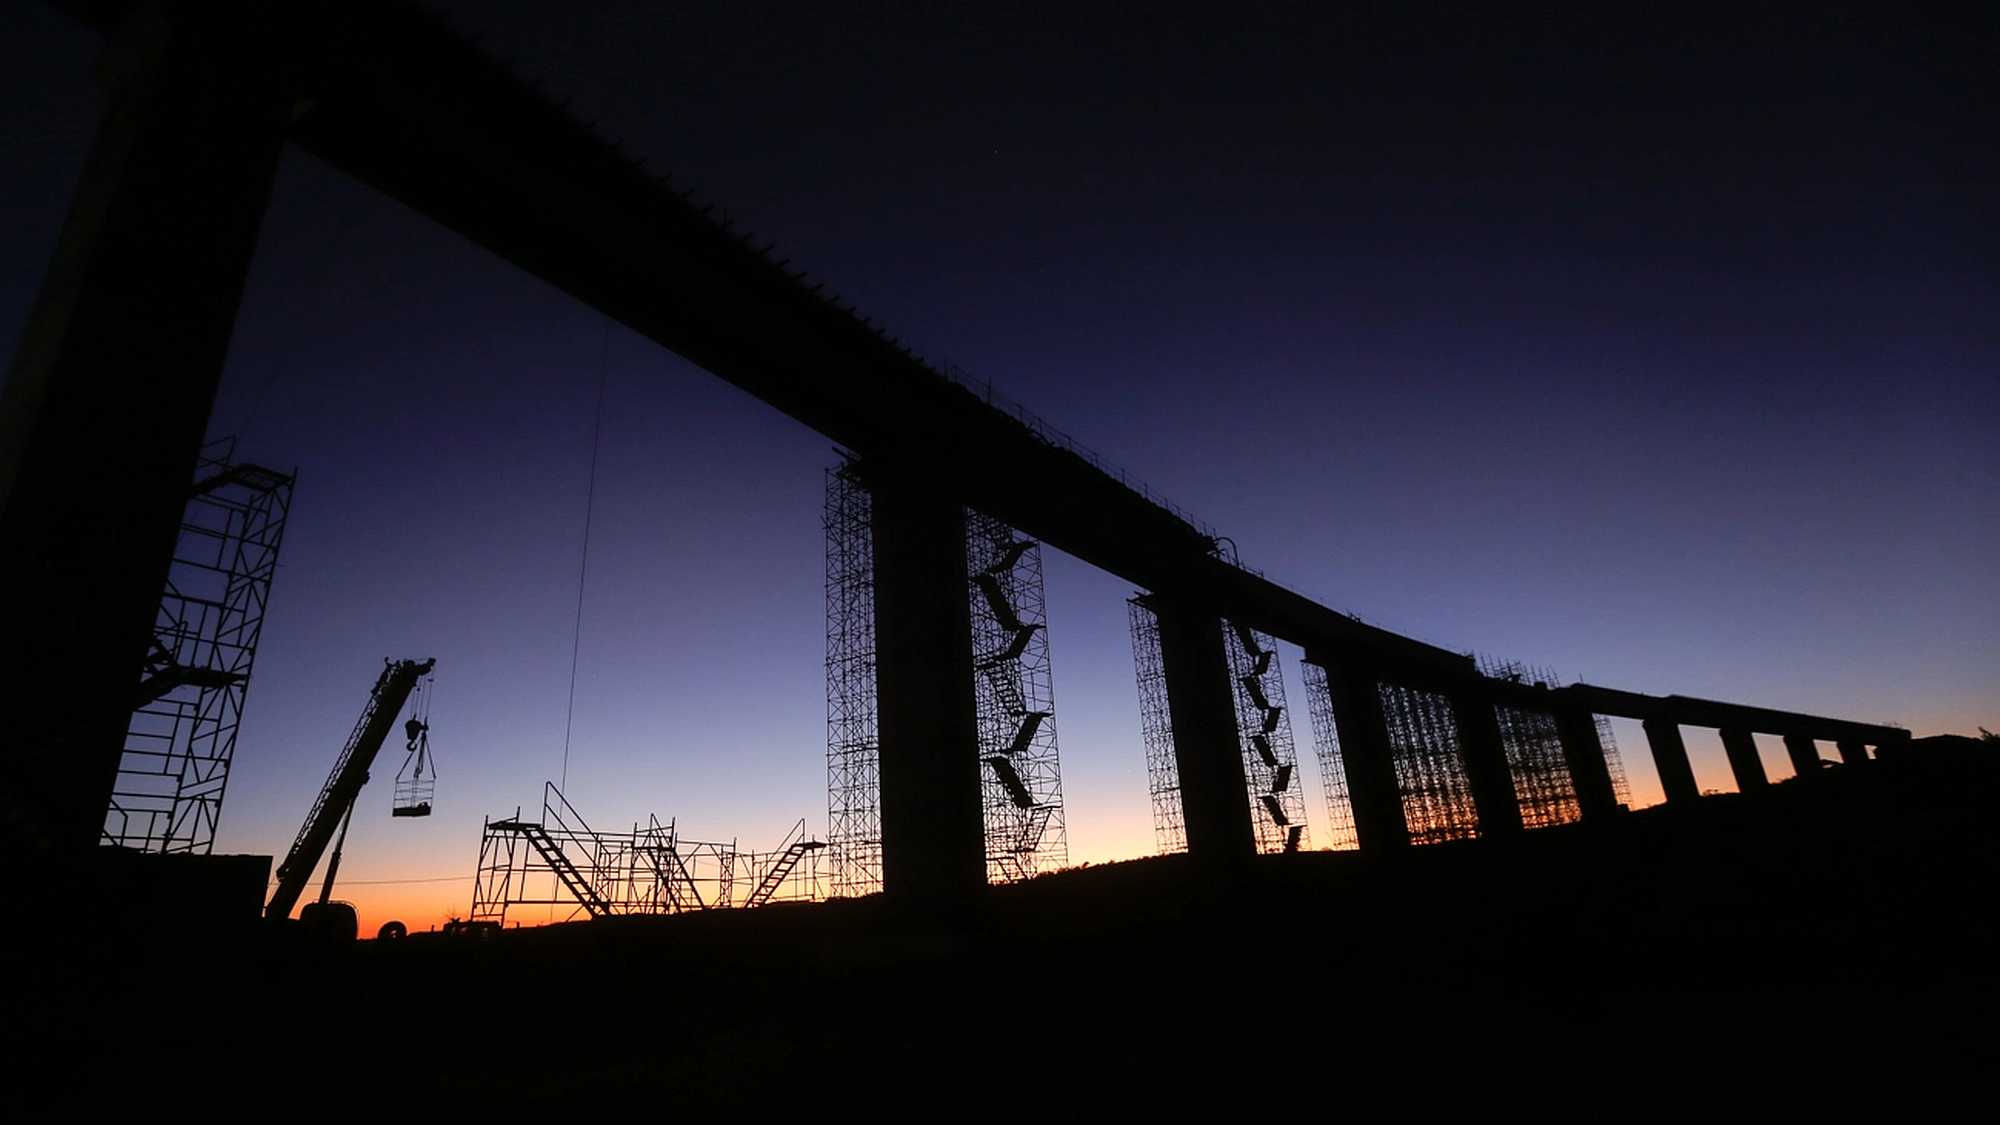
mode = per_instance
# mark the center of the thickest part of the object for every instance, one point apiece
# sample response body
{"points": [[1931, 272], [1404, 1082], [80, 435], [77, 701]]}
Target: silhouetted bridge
{"points": [[120, 361]]}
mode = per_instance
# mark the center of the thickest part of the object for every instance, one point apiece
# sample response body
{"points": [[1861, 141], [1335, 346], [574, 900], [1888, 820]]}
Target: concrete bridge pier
{"points": [[1670, 759], [1485, 757], [933, 824], [1804, 753], [1741, 747], [1852, 753], [1583, 752], [1355, 696], [1208, 750], [104, 410]]}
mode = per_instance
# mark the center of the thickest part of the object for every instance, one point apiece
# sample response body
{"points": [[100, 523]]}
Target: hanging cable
{"points": [[416, 782], [583, 569], [425, 758]]}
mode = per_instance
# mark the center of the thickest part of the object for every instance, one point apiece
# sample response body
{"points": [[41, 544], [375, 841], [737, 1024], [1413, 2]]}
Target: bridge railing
{"points": [[1059, 439]]}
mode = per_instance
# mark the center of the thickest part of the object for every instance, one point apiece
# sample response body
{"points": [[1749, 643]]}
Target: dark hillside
{"points": [[1842, 925]]}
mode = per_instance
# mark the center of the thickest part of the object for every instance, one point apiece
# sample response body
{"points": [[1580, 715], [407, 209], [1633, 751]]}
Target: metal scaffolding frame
{"points": [[1014, 692], [1542, 781], [1613, 761], [1156, 730], [853, 739], [1430, 768], [558, 860], [1276, 791], [1332, 770], [1264, 729], [188, 703], [1543, 787]]}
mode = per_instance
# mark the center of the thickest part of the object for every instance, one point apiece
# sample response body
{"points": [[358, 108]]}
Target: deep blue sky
{"points": [[1670, 363]]}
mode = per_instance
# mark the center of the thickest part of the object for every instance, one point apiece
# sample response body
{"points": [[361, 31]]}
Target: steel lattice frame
{"points": [[1613, 761], [1020, 770], [1542, 780], [853, 740], [181, 739], [1264, 730], [649, 870], [1332, 771], [1543, 787], [1430, 769], [1156, 729]]}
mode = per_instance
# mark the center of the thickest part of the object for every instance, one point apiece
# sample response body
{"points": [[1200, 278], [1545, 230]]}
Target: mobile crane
{"points": [[335, 806]]}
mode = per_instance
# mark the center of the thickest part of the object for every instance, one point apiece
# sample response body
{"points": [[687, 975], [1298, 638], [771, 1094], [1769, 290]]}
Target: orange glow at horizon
{"points": [[425, 904], [428, 905]]}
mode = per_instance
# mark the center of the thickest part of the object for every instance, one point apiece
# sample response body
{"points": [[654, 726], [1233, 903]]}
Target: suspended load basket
{"points": [[416, 782]]}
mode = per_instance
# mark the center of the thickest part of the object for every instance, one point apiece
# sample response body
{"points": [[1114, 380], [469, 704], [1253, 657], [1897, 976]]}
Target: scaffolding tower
{"points": [[188, 703], [853, 741], [558, 860], [1156, 730], [1013, 690], [1613, 761], [1430, 768], [1543, 787], [1277, 806], [1332, 770], [1264, 728], [1542, 780], [1021, 772]]}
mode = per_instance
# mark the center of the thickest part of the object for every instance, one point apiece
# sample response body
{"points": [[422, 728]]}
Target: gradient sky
{"points": [[1671, 365]]}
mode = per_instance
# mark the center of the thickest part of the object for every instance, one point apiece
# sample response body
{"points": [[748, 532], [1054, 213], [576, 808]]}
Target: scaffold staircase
{"points": [[1268, 753], [670, 871], [566, 871], [1025, 843], [795, 848]]}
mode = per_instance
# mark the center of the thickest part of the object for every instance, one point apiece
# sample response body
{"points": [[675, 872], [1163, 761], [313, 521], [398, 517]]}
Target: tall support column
{"points": [[933, 828], [1215, 802], [1670, 759], [1356, 698], [1852, 753], [102, 416], [1596, 797], [1485, 761], [1804, 755], [1741, 747]]}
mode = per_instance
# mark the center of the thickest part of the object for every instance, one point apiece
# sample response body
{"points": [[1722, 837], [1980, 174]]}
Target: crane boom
{"points": [[350, 773]]}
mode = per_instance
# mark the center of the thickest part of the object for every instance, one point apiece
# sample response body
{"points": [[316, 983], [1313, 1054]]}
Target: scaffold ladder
{"points": [[672, 875], [795, 850], [552, 854]]}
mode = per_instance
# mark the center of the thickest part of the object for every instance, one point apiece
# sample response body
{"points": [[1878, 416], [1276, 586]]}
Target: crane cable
{"points": [[583, 569], [420, 710]]}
